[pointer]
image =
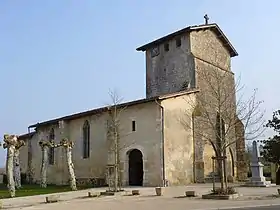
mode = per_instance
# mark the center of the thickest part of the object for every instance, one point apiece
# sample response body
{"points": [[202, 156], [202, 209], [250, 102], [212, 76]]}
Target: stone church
{"points": [[160, 140]]}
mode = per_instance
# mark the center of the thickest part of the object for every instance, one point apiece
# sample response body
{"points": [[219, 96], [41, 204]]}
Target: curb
{"points": [[241, 207]]}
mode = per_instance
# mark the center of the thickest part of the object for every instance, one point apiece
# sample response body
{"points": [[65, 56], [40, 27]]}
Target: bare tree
{"points": [[10, 142], [17, 172], [217, 113], [68, 146], [45, 146], [114, 134]]}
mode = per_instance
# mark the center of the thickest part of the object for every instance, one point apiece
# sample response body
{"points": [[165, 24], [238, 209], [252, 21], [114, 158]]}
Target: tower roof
{"points": [[213, 27]]}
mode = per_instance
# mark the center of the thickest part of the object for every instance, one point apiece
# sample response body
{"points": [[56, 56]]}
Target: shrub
{"points": [[228, 191]]}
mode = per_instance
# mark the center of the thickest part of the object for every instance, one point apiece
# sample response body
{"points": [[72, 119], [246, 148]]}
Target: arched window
{"points": [[86, 140], [51, 149]]}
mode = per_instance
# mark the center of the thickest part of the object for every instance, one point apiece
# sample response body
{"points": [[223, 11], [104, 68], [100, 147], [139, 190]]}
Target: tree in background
{"points": [[271, 148], [216, 112]]}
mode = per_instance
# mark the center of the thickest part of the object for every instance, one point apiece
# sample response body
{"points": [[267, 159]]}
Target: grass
{"points": [[28, 190]]}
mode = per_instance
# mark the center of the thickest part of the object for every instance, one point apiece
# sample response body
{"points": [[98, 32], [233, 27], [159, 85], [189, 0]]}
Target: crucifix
{"points": [[206, 19]]}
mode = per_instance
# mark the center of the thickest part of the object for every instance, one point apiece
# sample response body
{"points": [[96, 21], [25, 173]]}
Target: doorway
{"points": [[135, 162], [278, 177]]}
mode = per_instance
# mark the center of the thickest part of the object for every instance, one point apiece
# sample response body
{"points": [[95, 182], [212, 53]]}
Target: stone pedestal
{"points": [[257, 179]]}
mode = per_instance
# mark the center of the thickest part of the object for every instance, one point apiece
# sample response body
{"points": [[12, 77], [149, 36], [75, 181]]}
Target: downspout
{"points": [[194, 153], [162, 143]]}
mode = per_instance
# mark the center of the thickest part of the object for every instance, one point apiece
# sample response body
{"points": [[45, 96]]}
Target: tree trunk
{"points": [[44, 167], [17, 169], [116, 170], [221, 173], [70, 164], [225, 173], [10, 164]]}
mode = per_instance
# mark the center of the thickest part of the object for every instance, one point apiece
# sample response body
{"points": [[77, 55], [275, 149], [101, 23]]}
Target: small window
{"points": [[155, 51], [133, 125], [178, 42], [166, 47]]}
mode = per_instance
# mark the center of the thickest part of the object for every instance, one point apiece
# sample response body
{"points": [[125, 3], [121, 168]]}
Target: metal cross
{"points": [[206, 19]]}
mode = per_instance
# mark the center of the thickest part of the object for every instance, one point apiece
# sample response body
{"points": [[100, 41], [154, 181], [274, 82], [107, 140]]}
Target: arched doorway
{"points": [[135, 165]]}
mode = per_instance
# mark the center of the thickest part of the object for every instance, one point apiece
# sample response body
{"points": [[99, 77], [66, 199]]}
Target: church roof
{"points": [[104, 109], [213, 27], [26, 136]]}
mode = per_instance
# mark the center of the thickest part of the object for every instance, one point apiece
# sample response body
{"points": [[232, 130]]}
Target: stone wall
{"points": [[170, 71], [146, 138], [217, 94], [242, 166]]}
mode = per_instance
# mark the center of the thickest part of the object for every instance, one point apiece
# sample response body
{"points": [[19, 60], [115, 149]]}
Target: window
{"points": [[155, 51], [178, 42], [51, 149], [86, 140], [133, 125], [166, 47]]}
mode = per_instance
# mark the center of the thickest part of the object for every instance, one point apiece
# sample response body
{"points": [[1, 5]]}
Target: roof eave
{"points": [[90, 112], [230, 47]]}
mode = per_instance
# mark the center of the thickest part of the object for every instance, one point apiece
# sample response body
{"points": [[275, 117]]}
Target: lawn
{"points": [[28, 190]]}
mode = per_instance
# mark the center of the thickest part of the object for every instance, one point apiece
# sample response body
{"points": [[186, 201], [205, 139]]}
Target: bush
{"points": [[228, 191], [22, 176]]}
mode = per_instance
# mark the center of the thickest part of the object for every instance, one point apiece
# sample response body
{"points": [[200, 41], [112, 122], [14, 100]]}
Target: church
{"points": [[163, 140]]}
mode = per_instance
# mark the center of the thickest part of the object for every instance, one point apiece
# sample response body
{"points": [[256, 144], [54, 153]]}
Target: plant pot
{"points": [[158, 191], [135, 192]]}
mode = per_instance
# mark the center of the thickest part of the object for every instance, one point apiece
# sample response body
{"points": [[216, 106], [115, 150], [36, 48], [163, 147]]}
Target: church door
{"points": [[135, 168], [278, 177]]}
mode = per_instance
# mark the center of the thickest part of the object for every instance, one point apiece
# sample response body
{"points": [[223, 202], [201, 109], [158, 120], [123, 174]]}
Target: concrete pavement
{"points": [[272, 207], [171, 199]]}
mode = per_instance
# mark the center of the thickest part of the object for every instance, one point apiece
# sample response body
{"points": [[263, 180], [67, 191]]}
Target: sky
{"points": [[62, 57]]}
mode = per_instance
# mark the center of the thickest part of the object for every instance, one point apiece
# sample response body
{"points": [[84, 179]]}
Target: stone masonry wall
{"points": [[146, 138], [213, 75], [170, 71]]}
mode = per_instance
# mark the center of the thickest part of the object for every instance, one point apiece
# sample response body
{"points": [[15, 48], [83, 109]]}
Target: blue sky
{"points": [[60, 57]]}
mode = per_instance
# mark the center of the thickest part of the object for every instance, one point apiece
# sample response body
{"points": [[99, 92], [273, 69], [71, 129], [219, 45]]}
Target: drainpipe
{"points": [[162, 143], [194, 153]]}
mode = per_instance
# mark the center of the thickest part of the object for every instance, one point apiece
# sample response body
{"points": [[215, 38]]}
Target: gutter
{"points": [[162, 143]]}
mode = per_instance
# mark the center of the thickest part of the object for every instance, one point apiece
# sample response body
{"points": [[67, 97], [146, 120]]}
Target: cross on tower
{"points": [[206, 19]]}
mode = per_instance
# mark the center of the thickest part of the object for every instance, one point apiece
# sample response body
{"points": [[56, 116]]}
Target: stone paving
{"points": [[172, 198]]}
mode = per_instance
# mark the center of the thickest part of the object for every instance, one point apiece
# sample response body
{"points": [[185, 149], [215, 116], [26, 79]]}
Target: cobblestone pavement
{"points": [[171, 199]]}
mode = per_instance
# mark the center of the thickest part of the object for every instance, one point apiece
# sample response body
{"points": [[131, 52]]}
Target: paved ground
{"points": [[172, 199], [258, 208]]}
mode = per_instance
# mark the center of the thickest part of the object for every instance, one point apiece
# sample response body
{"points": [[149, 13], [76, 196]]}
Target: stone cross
{"points": [[206, 19], [255, 153]]}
